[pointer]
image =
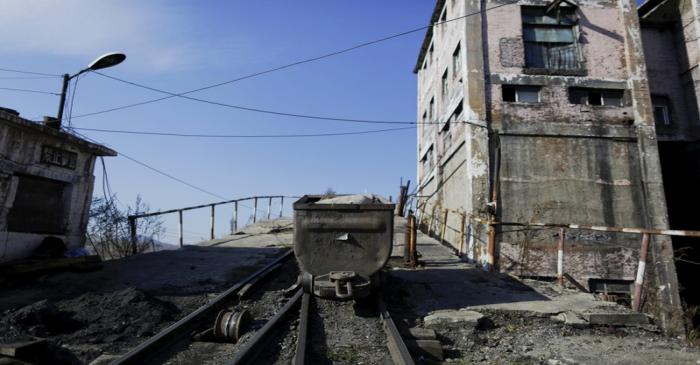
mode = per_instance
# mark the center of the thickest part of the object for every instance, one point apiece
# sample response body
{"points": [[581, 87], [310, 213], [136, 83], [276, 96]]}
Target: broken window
{"points": [[39, 206], [445, 85], [596, 97], [521, 93], [457, 60], [427, 160], [662, 114], [550, 39]]}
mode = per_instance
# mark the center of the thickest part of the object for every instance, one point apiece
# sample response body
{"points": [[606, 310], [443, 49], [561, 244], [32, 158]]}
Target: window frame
{"points": [[533, 18], [516, 89]]}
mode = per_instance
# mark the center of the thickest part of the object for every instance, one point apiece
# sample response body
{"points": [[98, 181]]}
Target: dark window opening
{"points": [[521, 93], [39, 206], [445, 85], [550, 39], [662, 112], [457, 60], [596, 97], [431, 109]]}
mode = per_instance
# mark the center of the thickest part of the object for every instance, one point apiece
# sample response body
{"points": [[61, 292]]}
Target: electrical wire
{"points": [[297, 63], [250, 109], [28, 72], [153, 168], [29, 91], [245, 135], [72, 99], [27, 77]]}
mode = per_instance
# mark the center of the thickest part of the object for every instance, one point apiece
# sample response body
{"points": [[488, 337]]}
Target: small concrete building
{"points": [[46, 182], [539, 111]]}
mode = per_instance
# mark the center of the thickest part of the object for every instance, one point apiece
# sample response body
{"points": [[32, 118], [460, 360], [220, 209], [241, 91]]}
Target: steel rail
{"points": [[397, 348], [252, 348], [146, 350], [300, 356]]}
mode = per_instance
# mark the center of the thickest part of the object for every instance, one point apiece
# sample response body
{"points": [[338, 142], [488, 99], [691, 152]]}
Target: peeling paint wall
{"points": [[21, 155]]}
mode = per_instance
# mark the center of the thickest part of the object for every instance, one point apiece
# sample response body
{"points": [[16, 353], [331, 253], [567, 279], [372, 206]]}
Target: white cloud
{"points": [[155, 35]]}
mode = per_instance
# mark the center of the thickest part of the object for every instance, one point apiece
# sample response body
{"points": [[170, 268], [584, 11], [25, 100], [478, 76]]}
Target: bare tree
{"points": [[108, 228]]}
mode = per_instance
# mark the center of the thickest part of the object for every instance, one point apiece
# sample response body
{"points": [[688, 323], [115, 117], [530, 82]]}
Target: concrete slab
{"points": [[464, 319]]}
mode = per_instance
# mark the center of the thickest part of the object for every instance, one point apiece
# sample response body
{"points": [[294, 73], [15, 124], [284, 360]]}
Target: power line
{"points": [[27, 77], [297, 63], [154, 169], [244, 135], [28, 72], [28, 91], [250, 109]]}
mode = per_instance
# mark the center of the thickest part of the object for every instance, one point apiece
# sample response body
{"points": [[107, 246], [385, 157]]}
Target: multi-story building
{"points": [[536, 111], [46, 181]]}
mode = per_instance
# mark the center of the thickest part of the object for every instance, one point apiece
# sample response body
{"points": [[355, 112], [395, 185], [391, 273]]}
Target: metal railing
{"points": [[552, 56], [437, 226], [234, 221]]}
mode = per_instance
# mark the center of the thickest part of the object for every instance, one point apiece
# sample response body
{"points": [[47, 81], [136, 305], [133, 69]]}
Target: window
{"points": [[521, 94], [39, 206], [431, 109], [550, 39], [596, 97], [662, 114], [443, 17], [430, 53], [444, 83], [427, 160], [457, 61]]}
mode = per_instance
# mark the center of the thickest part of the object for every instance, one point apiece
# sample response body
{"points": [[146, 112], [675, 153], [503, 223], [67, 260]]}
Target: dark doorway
{"points": [[680, 163], [38, 207]]}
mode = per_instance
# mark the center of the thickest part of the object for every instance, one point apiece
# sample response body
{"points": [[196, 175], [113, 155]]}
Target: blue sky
{"points": [[183, 45]]}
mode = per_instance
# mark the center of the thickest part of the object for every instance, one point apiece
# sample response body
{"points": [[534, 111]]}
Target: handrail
{"points": [[133, 218]]}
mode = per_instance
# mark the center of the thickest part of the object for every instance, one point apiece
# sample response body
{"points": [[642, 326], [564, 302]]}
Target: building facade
{"points": [[46, 182], [537, 111]]}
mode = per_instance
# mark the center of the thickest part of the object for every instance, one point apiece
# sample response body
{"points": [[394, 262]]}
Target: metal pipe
{"points": [[62, 102], [179, 227], [414, 231], [281, 205], [639, 281], [560, 258]]}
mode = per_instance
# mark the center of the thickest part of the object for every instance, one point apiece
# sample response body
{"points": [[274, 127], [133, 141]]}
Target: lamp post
{"points": [[104, 61]]}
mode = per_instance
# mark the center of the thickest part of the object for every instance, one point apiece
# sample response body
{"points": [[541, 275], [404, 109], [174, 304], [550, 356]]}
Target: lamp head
{"points": [[106, 60]]}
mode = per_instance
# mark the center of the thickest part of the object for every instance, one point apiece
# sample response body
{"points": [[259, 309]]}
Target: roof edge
{"points": [[94, 148], [428, 34]]}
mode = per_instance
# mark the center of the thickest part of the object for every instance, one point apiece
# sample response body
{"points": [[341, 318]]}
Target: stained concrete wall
{"points": [[21, 143], [560, 162]]}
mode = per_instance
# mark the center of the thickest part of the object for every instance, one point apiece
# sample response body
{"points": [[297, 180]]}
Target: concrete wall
{"points": [[20, 154], [560, 162]]}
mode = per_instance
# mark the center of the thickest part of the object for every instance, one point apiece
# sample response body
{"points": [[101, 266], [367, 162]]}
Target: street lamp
{"points": [[104, 61]]}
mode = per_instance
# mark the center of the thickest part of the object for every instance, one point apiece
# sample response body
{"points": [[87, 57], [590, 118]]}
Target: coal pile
{"points": [[88, 325]]}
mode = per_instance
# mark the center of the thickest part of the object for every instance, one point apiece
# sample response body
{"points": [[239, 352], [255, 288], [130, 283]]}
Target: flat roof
{"points": [[15, 120]]}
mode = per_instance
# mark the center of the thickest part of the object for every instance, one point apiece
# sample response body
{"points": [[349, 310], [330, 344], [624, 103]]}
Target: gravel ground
{"points": [[346, 332]]}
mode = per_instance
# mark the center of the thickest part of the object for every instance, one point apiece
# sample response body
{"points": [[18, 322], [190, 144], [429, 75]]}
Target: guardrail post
{"points": [[491, 247], [414, 233], [281, 205], [179, 227], [132, 232], [211, 223], [255, 209], [269, 207], [235, 217], [639, 281], [462, 234], [560, 258], [444, 226]]}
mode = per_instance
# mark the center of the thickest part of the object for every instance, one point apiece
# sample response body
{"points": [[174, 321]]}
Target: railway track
{"points": [[303, 329]]}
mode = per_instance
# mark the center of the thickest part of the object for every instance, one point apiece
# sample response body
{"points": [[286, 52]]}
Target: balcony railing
{"points": [[552, 56]]}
